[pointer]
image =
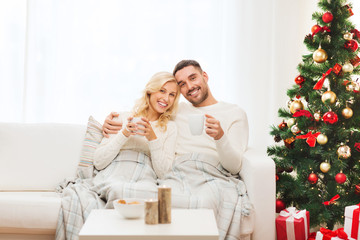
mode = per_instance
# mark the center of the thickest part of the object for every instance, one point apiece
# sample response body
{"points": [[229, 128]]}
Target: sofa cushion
{"points": [[29, 212], [38, 156], [92, 139]]}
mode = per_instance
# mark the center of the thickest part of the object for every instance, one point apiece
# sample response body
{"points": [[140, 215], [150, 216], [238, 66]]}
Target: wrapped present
{"points": [[327, 234], [351, 225], [292, 224]]}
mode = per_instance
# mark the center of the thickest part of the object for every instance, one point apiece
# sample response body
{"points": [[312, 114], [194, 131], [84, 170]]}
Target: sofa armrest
{"points": [[258, 173]]}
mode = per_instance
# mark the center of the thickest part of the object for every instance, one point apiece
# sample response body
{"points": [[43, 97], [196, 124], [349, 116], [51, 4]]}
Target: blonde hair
{"points": [[154, 85]]}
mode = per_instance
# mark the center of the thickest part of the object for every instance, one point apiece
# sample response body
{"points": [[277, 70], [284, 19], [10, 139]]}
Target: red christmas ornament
{"points": [[357, 189], [280, 205], [327, 17], [337, 68], [277, 177], [330, 117], [299, 80], [340, 178], [355, 62], [282, 125], [312, 178], [315, 28], [352, 45]]}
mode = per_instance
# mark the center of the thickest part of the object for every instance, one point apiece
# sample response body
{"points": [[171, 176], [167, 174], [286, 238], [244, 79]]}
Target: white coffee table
{"points": [[191, 224]]}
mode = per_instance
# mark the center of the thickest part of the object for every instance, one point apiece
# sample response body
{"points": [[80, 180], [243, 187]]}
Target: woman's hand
{"points": [[148, 130], [130, 129]]}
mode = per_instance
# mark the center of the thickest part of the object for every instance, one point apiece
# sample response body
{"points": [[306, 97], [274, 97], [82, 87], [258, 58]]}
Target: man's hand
{"points": [[213, 128], [111, 126]]}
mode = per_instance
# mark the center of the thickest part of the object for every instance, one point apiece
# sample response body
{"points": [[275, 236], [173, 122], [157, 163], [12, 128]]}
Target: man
{"points": [[205, 167]]}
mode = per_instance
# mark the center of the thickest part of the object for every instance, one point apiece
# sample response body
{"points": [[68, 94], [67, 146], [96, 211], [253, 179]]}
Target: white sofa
{"points": [[34, 158]]}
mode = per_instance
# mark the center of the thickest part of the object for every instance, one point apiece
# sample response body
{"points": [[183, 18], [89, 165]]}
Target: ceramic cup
{"points": [[196, 123], [135, 120]]}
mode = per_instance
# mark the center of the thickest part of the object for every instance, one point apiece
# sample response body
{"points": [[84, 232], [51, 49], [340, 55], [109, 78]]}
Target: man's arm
{"points": [[231, 143], [111, 126]]}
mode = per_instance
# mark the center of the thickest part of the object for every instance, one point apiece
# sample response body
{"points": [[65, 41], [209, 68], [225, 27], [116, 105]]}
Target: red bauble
{"points": [[357, 189], [315, 28], [352, 45], [280, 205], [282, 125], [277, 177], [299, 80], [327, 17], [330, 117], [312, 178], [340, 178]]}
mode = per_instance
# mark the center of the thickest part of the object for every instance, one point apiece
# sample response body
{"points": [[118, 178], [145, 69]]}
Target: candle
{"points": [[164, 198], [151, 211]]}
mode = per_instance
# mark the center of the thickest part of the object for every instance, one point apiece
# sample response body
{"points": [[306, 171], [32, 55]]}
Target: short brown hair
{"points": [[185, 63]]}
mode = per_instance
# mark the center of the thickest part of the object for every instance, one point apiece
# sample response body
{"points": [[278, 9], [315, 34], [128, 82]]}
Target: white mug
{"points": [[196, 123], [135, 120]]}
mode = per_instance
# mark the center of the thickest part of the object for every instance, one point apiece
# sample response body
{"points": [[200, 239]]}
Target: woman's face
{"points": [[162, 100]]}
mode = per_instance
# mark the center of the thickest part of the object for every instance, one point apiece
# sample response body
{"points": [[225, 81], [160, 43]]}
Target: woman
{"points": [[130, 161], [155, 108]]}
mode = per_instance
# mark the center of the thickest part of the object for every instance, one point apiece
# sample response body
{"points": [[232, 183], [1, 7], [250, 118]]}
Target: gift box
{"points": [[292, 224], [326, 234], [351, 225]]}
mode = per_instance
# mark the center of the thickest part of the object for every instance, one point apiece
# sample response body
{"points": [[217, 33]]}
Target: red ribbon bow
{"points": [[332, 200], [300, 113], [321, 29], [310, 138], [356, 33], [320, 83], [328, 234]]}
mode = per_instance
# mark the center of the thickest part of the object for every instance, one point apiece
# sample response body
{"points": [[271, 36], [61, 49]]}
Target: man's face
{"points": [[193, 84]]}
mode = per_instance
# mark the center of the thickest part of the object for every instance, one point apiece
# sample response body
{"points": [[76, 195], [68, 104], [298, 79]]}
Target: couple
{"points": [[201, 170]]}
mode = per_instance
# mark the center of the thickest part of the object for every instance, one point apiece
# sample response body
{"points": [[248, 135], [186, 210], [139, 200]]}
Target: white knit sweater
{"points": [[230, 148], [161, 150]]}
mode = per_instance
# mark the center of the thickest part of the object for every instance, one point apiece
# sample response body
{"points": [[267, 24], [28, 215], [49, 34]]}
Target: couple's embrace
{"points": [[153, 145]]}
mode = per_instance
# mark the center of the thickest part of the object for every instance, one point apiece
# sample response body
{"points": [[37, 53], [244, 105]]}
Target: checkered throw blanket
{"points": [[197, 181]]}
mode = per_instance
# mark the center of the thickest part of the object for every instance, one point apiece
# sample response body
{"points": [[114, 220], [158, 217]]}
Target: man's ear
{"points": [[205, 76]]}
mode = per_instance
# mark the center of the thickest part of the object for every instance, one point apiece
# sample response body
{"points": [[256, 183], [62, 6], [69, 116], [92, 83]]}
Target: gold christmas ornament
{"points": [[290, 122], [348, 67], [344, 152], [296, 105], [317, 116], [325, 167], [329, 96], [320, 55], [322, 139], [347, 113], [295, 129], [348, 36]]}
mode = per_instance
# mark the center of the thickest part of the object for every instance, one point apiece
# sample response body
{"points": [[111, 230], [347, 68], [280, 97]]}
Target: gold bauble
{"points": [[347, 113], [322, 139], [291, 122], [344, 152], [317, 116], [295, 129], [348, 36], [348, 68], [320, 55], [296, 105], [325, 167], [329, 96]]}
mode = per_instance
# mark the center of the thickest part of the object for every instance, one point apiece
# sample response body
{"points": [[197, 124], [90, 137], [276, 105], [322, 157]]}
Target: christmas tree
{"points": [[317, 149]]}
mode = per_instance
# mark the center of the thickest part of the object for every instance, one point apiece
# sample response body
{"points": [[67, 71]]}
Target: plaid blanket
{"points": [[199, 181], [129, 175]]}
